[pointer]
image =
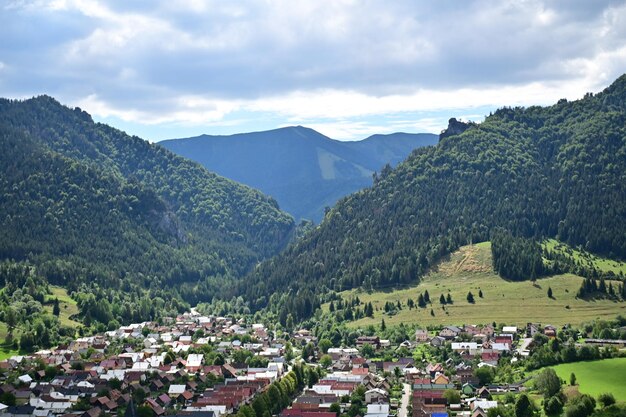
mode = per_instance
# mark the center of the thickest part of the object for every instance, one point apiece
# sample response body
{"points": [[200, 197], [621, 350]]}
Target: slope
{"points": [[123, 221], [511, 302], [557, 171], [304, 170]]}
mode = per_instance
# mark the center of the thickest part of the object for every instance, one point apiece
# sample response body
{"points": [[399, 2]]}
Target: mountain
{"points": [[302, 169], [100, 212], [537, 172]]}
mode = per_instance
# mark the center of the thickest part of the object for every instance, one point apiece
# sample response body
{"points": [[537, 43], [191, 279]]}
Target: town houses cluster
{"points": [[205, 366]]}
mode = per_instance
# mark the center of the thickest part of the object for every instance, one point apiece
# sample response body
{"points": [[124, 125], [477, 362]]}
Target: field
{"points": [[6, 350], [469, 269], [596, 377], [599, 263], [67, 305]]}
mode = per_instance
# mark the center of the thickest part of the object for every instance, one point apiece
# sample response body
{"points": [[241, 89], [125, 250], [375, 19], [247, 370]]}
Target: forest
{"points": [[131, 230], [528, 173]]}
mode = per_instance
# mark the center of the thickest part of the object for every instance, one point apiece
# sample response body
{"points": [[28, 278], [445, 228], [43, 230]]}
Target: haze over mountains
{"points": [[301, 168]]}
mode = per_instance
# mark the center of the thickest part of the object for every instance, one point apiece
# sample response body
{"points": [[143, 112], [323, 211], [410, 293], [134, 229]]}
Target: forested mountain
{"points": [[304, 170], [536, 172], [100, 212]]}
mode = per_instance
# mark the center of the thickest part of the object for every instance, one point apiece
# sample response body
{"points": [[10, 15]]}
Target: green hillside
{"points": [[131, 230], [536, 172], [597, 377], [470, 270]]}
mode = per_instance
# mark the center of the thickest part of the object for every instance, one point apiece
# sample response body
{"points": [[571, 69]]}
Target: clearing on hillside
{"points": [[67, 306], [596, 377], [470, 269]]}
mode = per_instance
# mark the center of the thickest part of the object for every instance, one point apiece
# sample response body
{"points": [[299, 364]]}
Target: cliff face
{"points": [[455, 127]]}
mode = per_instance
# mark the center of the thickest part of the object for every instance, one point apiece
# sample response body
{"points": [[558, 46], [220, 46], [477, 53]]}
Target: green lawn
{"points": [[470, 269], [596, 377], [602, 264], [67, 305]]}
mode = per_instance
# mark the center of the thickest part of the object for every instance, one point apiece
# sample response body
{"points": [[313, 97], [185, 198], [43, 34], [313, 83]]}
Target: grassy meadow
{"points": [[470, 269], [597, 377]]}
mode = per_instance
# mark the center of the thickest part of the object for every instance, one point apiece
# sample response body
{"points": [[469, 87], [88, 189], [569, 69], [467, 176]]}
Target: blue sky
{"points": [[176, 68]]}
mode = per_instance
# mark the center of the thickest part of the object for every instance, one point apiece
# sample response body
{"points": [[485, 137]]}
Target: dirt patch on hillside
{"points": [[467, 259]]}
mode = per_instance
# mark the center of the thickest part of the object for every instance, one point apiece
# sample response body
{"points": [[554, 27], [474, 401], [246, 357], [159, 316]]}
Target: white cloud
{"points": [[329, 64]]}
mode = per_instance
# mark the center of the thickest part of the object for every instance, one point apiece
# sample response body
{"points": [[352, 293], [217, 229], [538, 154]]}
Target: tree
{"points": [[335, 408], [470, 297], [480, 293], [523, 406], [324, 345], [484, 375], [553, 406], [549, 292], [7, 398], [426, 296], [448, 299], [606, 399], [421, 302], [581, 406], [442, 300], [452, 396], [367, 350], [572, 379], [548, 383], [56, 310], [326, 361], [383, 326]]}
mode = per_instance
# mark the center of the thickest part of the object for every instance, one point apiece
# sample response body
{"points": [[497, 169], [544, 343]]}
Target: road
{"points": [[404, 403]]}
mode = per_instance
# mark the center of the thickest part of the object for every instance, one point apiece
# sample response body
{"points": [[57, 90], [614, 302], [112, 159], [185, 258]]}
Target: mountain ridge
{"points": [[303, 169], [536, 172]]}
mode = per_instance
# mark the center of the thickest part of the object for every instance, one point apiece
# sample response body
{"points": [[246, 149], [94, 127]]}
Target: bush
{"points": [[606, 399]]}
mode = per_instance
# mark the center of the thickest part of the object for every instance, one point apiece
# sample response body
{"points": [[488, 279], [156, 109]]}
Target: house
{"points": [[550, 331], [376, 395], [437, 341], [467, 389], [450, 332], [509, 329], [377, 410], [175, 390], [483, 393], [422, 336], [532, 329], [374, 341], [194, 362]]}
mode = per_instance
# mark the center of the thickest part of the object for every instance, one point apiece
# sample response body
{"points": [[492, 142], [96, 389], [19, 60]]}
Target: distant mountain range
{"points": [[302, 169]]}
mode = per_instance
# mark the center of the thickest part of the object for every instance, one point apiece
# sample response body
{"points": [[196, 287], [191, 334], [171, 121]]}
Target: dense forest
{"points": [[532, 172], [138, 229]]}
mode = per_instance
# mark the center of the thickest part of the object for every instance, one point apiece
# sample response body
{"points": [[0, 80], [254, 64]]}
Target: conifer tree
{"points": [[426, 296], [442, 299], [470, 297]]}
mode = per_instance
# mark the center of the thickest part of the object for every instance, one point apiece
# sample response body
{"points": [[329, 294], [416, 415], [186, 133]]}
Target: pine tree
{"points": [[480, 293], [470, 297], [611, 290], [420, 301], [442, 299], [383, 326], [426, 296], [602, 286], [449, 299], [432, 312], [549, 292], [56, 309], [331, 307]]}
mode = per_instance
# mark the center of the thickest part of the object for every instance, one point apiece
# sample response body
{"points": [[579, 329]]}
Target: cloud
{"points": [[326, 63]]}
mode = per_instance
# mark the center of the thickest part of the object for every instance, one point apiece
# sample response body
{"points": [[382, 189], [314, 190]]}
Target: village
{"points": [[206, 366]]}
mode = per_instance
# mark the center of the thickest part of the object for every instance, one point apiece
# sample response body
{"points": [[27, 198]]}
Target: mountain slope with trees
{"points": [[534, 172], [132, 230], [304, 170]]}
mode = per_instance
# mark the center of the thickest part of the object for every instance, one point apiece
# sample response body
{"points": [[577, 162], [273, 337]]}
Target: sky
{"points": [[163, 69]]}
